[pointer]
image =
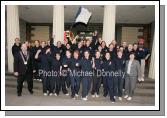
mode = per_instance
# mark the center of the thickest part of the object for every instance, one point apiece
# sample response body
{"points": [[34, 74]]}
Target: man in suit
{"points": [[132, 74], [23, 69]]}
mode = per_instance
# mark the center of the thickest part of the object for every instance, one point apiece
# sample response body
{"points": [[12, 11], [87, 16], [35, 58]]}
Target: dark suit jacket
{"points": [[15, 49], [19, 65]]}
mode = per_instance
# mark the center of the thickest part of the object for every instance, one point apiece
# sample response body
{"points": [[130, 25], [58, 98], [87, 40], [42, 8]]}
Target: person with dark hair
{"points": [[99, 41], [135, 49], [132, 74], [94, 37], [104, 47], [34, 51], [23, 69], [80, 49], [124, 45], [108, 66], [65, 48], [128, 51], [55, 67], [44, 67], [66, 68], [96, 78], [59, 46], [28, 45], [112, 51], [123, 52], [119, 80], [88, 47], [75, 79], [114, 44], [86, 67]]}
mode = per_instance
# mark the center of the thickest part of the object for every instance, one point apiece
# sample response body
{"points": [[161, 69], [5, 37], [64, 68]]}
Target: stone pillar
{"points": [[12, 32], [109, 23], [58, 23], [152, 63]]}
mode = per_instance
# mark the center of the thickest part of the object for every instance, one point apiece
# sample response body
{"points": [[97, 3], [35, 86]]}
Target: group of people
{"points": [[84, 65]]}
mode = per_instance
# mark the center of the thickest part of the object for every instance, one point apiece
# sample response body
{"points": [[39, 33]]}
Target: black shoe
{"points": [[31, 91], [19, 94], [72, 97], [105, 95]]}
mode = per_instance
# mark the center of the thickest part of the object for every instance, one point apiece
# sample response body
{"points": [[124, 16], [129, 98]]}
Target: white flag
{"points": [[83, 15]]}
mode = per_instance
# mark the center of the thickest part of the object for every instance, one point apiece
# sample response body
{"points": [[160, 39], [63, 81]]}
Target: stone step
{"points": [[65, 100], [38, 87], [146, 86]]}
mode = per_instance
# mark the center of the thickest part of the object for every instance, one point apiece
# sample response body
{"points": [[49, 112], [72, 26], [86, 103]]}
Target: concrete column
{"points": [[58, 23], [109, 23], [152, 63], [12, 32]]}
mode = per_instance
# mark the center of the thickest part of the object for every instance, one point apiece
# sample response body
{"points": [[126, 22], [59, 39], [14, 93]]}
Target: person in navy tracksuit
{"points": [[54, 81], [86, 67], [104, 48], [94, 38], [119, 79], [128, 51], [112, 51], [44, 68], [80, 49], [108, 79], [142, 55], [96, 78], [34, 51], [75, 79], [66, 68], [105, 68]]}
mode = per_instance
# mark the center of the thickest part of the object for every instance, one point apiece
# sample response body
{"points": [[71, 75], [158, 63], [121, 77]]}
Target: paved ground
{"points": [[144, 95]]}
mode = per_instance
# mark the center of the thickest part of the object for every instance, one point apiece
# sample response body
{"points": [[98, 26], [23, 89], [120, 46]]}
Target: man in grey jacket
{"points": [[132, 74]]}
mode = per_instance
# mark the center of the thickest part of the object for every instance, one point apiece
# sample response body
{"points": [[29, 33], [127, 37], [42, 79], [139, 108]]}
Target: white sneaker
{"points": [[40, 80], [85, 99], [142, 79], [93, 96], [96, 95], [129, 98], [50, 94], [76, 95], [120, 98], [112, 102], [45, 94], [55, 94], [67, 94], [126, 96], [114, 97]]}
